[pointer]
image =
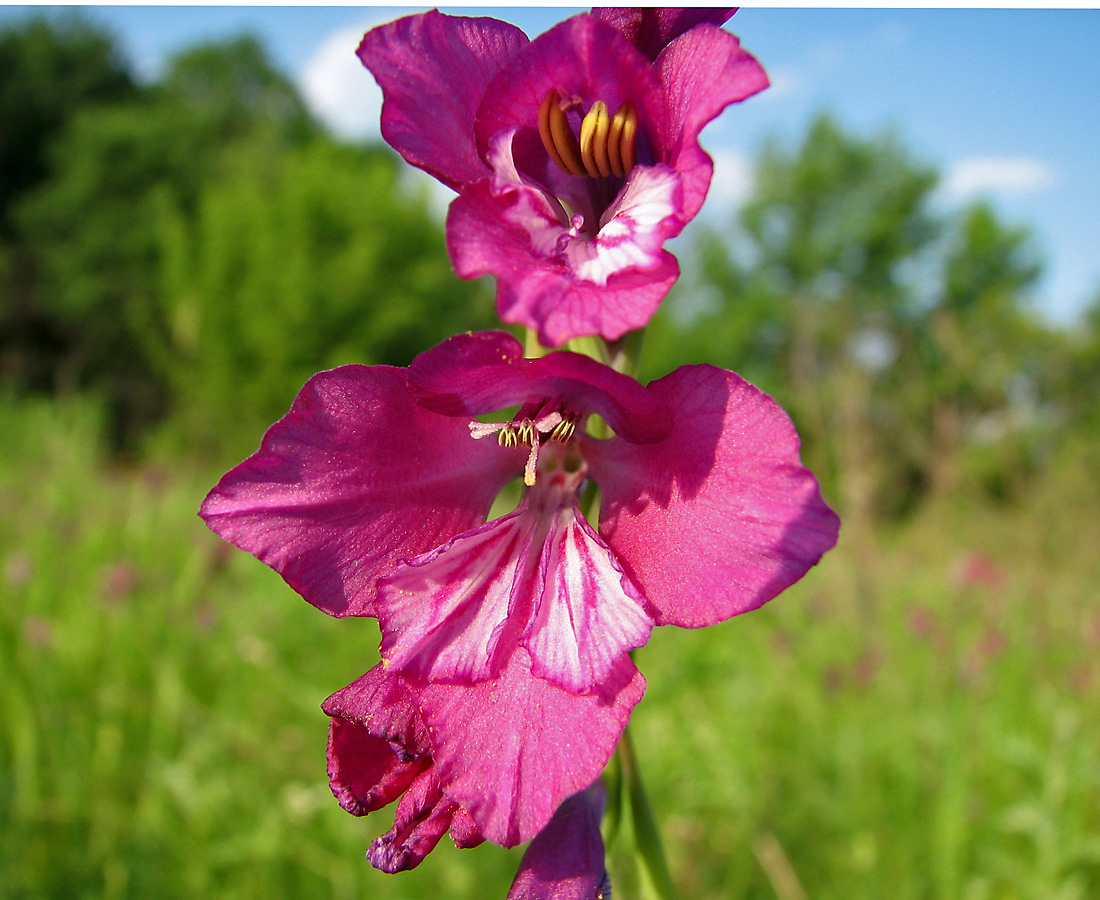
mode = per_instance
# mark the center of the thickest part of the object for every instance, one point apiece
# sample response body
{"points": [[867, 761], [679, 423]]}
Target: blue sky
{"points": [[1005, 103]]}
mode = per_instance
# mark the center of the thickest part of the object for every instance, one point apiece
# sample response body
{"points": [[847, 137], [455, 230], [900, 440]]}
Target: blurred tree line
{"points": [[192, 250], [901, 337]]}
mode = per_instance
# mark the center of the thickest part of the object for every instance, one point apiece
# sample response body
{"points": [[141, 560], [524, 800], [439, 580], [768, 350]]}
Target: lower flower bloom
{"points": [[566, 859], [510, 638]]}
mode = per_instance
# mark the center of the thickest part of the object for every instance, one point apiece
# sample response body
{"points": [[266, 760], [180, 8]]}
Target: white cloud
{"points": [[337, 87], [782, 82], [730, 185], [999, 174]]}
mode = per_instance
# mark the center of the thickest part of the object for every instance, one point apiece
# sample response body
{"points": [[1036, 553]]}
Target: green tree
{"points": [[292, 264], [91, 228], [49, 69]]}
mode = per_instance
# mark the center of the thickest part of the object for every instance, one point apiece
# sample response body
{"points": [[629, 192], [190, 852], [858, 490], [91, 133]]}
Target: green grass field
{"points": [[920, 718]]}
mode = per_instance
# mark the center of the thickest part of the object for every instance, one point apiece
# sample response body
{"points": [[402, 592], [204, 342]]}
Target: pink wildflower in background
{"points": [[511, 637], [575, 156]]}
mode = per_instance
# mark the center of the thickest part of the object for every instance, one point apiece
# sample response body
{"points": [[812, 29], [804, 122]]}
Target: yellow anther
{"points": [[507, 437], [548, 102], [607, 143], [557, 136], [563, 431], [594, 129], [621, 138], [526, 433]]}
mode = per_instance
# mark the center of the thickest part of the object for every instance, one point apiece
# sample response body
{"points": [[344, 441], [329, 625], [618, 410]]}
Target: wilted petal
{"points": [[481, 372], [433, 70], [354, 479], [589, 615], [566, 859], [509, 750], [720, 516], [422, 818], [378, 751], [651, 28], [377, 744], [703, 71]]}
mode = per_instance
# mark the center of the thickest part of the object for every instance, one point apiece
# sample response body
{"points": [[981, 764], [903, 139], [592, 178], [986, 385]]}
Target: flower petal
{"points": [[377, 744], [543, 292], [650, 28], [581, 57], [422, 818], [443, 614], [721, 516], [703, 71], [633, 230], [433, 70], [566, 859], [511, 749], [470, 374], [589, 615], [354, 479]]}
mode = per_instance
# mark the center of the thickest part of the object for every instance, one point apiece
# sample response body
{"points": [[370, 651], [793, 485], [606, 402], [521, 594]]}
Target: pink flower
{"points": [[378, 751], [511, 637], [566, 859], [575, 155]]}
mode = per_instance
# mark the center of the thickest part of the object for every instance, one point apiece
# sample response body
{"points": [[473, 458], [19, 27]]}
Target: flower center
{"points": [[607, 144], [533, 425]]}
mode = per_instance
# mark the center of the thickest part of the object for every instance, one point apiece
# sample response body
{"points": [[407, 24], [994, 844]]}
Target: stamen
{"points": [[607, 143], [550, 100], [622, 134], [563, 431], [594, 129], [558, 137]]}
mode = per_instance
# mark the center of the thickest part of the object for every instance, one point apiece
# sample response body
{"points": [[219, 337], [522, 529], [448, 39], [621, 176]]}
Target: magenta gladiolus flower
{"points": [[566, 859], [511, 637], [575, 155]]}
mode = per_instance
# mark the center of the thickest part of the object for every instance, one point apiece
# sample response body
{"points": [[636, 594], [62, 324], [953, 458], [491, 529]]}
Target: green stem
{"points": [[656, 883]]}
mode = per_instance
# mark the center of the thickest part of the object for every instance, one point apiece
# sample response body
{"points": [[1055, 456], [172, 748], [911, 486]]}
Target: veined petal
{"points": [[509, 750], [588, 615], [703, 71], [566, 859], [474, 373], [433, 70], [444, 613], [513, 237], [354, 479], [719, 517], [651, 28], [633, 230]]}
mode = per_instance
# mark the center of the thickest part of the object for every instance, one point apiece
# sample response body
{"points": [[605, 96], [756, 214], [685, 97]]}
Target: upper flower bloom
{"points": [[575, 155], [511, 637]]}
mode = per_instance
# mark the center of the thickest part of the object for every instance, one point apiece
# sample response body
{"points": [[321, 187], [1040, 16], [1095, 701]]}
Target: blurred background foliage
{"points": [[917, 719]]}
